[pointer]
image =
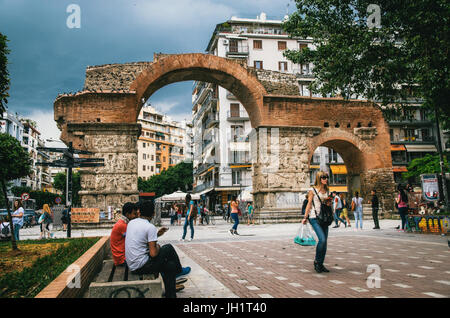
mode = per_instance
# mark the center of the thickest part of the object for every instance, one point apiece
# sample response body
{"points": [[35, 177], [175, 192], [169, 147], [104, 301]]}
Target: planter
{"points": [[75, 280]]}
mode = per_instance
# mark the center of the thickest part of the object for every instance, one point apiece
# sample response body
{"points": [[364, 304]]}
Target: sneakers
{"points": [[184, 271], [324, 269], [317, 267], [235, 232], [181, 281], [182, 239], [190, 239], [335, 226], [231, 231]]}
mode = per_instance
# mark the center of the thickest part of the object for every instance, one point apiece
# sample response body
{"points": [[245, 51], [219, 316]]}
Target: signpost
{"points": [[57, 200], [69, 161]]}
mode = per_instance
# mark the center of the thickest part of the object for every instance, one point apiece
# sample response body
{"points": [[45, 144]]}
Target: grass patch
{"points": [[26, 272]]}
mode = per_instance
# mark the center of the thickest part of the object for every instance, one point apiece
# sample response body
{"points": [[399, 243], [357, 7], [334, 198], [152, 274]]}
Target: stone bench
{"points": [[119, 282]]}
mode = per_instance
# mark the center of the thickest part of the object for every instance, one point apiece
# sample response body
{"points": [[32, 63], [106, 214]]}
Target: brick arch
{"points": [[202, 67], [357, 154]]}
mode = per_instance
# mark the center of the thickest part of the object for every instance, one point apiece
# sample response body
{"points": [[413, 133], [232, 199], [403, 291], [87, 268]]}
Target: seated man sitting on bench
{"points": [[117, 241], [145, 256]]}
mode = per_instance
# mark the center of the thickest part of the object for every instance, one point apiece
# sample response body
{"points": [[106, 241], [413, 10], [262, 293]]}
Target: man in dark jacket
{"points": [[375, 207]]}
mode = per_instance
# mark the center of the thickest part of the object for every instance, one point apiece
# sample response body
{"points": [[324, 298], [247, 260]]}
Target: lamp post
{"points": [[441, 159]]}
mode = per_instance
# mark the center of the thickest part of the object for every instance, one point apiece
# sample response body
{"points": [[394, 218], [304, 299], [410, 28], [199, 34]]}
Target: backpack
{"points": [[5, 230], [325, 216]]}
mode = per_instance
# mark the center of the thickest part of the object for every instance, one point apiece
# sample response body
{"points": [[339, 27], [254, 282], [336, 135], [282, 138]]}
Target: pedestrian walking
{"points": [[179, 208], [189, 220], [17, 218], [375, 206], [234, 204], [357, 209], [45, 220], [402, 204], [316, 196], [65, 218], [172, 214], [337, 209], [344, 213], [250, 214], [144, 255]]}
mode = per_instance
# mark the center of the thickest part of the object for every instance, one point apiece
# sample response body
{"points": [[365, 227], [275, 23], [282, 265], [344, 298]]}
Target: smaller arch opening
{"points": [[326, 124], [337, 125], [349, 125], [359, 125], [369, 124]]}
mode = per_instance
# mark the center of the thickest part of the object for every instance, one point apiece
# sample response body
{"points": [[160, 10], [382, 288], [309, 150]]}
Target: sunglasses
{"points": [[324, 177]]}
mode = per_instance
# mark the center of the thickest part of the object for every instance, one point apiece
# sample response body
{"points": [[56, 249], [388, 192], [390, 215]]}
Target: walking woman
{"points": [[344, 213], [234, 215], [402, 202], [46, 220], [357, 209], [17, 217], [189, 217], [319, 193]]}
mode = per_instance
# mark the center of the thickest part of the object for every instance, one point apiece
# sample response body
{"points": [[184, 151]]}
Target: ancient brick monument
{"points": [[287, 129]]}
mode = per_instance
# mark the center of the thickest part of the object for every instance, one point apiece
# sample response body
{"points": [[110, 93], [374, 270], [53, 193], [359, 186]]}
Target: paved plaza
{"points": [[264, 262]]}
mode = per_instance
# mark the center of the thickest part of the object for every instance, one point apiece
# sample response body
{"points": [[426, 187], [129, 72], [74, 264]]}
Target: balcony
{"points": [[211, 120], [412, 122], [413, 140], [237, 116], [240, 50], [231, 96], [303, 73], [203, 167], [203, 186]]}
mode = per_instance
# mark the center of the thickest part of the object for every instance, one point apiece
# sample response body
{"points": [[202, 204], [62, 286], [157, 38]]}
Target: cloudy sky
{"points": [[48, 58]]}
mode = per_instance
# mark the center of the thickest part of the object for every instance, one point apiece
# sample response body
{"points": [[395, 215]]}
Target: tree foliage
{"points": [[175, 178], [411, 47], [427, 164], [59, 183], [4, 74]]}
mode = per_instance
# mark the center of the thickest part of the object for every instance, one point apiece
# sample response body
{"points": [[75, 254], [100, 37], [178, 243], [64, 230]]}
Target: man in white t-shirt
{"points": [[337, 209], [145, 256]]}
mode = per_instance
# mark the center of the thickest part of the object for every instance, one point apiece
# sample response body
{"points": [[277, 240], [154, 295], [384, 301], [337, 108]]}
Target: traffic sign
{"points": [[25, 196], [58, 200]]}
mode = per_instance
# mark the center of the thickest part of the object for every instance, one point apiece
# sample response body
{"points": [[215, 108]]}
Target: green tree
{"points": [[410, 47], [4, 74], [427, 164], [175, 178], [59, 182], [15, 163]]}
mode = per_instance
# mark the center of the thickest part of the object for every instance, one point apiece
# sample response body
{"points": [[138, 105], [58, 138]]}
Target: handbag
{"points": [[305, 236], [325, 216], [41, 218]]}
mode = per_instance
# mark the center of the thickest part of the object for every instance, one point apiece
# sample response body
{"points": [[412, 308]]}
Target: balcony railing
{"points": [[240, 49], [237, 115], [203, 186], [427, 139], [213, 119]]}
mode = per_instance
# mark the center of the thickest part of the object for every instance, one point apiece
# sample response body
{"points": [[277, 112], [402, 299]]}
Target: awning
{"points": [[398, 148], [204, 191], [338, 169], [240, 166], [421, 148], [338, 188], [399, 169], [237, 37], [314, 167]]}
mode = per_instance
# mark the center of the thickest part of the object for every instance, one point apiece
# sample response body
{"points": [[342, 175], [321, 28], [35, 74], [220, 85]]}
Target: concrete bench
{"points": [[119, 282]]}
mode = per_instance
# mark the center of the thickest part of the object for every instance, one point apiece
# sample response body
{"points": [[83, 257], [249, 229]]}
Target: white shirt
{"points": [[139, 233], [337, 205], [315, 208], [18, 220]]}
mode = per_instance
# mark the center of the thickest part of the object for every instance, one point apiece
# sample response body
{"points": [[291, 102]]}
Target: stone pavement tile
{"points": [[280, 280]]}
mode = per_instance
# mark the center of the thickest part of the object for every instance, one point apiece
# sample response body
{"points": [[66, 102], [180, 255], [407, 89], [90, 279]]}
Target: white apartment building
{"points": [[222, 163], [163, 142], [11, 125]]}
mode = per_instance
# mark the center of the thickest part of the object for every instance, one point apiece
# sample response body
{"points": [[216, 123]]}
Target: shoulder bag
{"points": [[325, 216]]}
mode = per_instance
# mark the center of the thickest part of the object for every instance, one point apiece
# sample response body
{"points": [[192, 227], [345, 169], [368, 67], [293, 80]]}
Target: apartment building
{"points": [[163, 142], [221, 126], [11, 125]]}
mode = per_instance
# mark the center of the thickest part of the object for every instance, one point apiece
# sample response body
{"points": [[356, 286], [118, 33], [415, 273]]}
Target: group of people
{"points": [[134, 243]]}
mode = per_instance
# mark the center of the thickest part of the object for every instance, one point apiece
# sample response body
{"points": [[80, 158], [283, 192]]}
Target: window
{"points": [[143, 168], [234, 110], [258, 64], [152, 168], [143, 144], [257, 44], [282, 66], [144, 156], [152, 158], [303, 46], [281, 45]]}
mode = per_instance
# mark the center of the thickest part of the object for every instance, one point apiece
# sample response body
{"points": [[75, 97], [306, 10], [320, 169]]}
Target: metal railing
{"points": [[237, 114]]}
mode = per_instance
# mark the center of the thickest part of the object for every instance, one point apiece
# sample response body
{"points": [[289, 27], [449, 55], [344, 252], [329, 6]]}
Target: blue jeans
{"points": [[17, 227], [358, 217], [403, 213], [235, 218], [191, 225], [322, 235], [337, 218]]}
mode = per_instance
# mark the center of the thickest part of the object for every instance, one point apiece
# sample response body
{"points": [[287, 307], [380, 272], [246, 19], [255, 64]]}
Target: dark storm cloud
{"points": [[48, 58]]}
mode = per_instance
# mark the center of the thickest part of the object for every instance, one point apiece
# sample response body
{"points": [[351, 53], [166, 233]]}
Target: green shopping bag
{"points": [[305, 236]]}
